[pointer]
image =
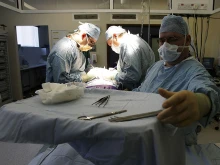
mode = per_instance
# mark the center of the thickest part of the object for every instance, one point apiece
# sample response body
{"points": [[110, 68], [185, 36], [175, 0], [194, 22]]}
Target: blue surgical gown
{"points": [[187, 75], [135, 58], [65, 62]]}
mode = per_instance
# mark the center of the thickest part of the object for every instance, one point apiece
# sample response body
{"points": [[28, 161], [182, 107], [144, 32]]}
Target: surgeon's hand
{"points": [[183, 108], [110, 74], [85, 77]]}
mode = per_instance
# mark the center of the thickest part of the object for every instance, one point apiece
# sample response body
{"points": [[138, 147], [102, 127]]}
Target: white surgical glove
{"points": [[86, 77], [93, 73], [110, 75]]}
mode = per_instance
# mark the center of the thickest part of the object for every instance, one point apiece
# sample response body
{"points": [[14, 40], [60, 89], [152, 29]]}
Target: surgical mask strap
{"points": [[113, 40], [87, 39]]}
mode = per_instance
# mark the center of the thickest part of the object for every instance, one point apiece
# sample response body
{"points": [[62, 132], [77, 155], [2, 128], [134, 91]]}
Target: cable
{"points": [[201, 55], [190, 32], [197, 34], [207, 31], [142, 18], [196, 43], [149, 1]]}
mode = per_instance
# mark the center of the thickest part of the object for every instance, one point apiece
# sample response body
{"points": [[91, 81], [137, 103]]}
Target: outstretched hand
{"points": [[86, 77], [180, 109]]}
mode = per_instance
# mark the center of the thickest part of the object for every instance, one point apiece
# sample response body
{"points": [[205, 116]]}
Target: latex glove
{"points": [[92, 72], [85, 77], [110, 74], [183, 108]]}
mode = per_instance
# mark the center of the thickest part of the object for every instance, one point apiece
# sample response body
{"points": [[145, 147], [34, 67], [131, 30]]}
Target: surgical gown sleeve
{"points": [[59, 72], [130, 70], [202, 83]]}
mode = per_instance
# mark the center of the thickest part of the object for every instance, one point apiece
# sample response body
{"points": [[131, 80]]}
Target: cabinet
{"points": [[32, 78], [5, 84]]}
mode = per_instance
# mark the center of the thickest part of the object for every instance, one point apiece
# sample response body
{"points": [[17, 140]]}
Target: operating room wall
{"points": [[63, 21]]}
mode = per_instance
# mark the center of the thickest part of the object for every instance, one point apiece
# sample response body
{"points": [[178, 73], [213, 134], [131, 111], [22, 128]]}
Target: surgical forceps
{"points": [[103, 100], [134, 117], [100, 115]]}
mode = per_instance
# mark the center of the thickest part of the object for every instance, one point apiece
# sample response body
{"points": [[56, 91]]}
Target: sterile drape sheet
{"points": [[139, 142]]}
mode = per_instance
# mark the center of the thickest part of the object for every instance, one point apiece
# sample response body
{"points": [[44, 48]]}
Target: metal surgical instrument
{"points": [[103, 100], [134, 117], [100, 115]]}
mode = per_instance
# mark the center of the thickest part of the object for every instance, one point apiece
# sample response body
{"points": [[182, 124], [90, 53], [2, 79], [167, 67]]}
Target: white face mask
{"points": [[116, 49], [85, 47], [169, 52]]}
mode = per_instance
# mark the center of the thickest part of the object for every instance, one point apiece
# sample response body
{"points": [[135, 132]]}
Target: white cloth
{"points": [[102, 73], [57, 93]]}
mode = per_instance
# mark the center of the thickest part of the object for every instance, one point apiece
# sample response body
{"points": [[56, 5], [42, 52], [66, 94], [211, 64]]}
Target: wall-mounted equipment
{"points": [[124, 17], [85, 16], [184, 5]]}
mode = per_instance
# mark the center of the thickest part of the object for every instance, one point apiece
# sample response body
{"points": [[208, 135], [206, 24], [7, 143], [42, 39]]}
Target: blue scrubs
{"points": [[188, 75], [135, 58], [65, 62]]}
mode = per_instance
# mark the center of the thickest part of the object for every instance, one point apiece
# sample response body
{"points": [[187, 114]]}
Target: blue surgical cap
{"points": [[173, 23], [90, 29], [113, 30]]}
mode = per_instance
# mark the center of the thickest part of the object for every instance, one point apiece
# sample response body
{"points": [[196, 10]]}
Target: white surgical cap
{"points": [[113, 30], [90, 29], [172, 23]]}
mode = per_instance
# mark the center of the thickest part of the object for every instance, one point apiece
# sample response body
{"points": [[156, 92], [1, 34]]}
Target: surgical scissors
{"points": [[100, 115]]}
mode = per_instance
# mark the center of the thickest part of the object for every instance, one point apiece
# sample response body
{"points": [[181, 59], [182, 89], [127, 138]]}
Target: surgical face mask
{"points": [[169, 52], [85, 47], [116, 49]]}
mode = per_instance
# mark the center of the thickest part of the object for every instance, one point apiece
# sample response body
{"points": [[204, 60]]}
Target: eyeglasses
{"points": [[91, 41], [169, 39]]}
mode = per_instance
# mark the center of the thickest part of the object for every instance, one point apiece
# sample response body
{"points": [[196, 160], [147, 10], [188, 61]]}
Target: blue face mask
{"points": [[169, 52]]}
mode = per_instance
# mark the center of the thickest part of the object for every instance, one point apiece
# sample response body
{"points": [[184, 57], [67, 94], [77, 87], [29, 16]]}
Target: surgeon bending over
{"points": [[135, 57], [66, 63], [182, 80]]}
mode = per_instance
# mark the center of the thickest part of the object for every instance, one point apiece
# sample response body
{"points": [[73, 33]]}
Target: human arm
{"points": [[183, 108], [130, 73], [61, 73]]}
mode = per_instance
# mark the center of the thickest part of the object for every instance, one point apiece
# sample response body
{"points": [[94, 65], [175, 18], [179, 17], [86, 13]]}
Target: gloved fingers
{"points": [[165, 93], [177, 118], [183, 114], [84, 78], [171, 111], [177, 98]]}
